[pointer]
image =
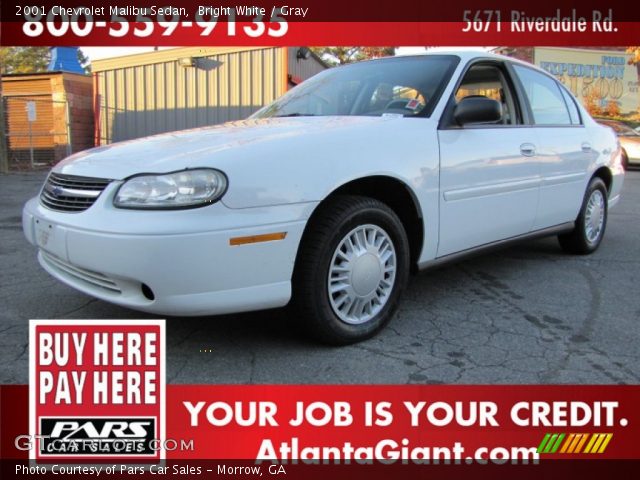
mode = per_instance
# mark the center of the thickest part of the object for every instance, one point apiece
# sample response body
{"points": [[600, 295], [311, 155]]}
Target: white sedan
{"points": [[330, 196]]}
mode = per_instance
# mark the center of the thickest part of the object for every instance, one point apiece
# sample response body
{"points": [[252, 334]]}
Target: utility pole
{"points": [[4, 153]]}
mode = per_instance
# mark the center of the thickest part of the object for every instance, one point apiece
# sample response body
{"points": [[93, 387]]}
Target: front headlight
{"points": [[184, 189]]}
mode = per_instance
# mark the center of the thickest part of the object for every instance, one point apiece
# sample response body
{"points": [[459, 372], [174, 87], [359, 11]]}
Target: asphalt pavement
{"points": [[526, 314]]}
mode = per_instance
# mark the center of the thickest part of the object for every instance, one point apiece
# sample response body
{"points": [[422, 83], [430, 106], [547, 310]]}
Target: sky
{"points": [[97, 53]]}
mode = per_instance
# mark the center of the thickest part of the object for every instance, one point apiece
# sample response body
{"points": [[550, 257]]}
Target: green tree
{"points": [[343, 55], [84, 61], [31, 59], [24, 59]]}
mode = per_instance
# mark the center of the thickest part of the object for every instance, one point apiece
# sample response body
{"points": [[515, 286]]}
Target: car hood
{"points": [[221, 146]]}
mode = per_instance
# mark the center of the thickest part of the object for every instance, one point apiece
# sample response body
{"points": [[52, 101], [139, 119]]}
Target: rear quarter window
{"points": [[574, 114]]}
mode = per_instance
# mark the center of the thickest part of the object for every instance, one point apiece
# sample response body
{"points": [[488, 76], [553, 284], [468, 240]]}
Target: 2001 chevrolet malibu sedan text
{"points": [[332, 194]]}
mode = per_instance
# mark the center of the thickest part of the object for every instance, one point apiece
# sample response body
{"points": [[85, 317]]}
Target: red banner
{"points": [[324, 10], [311, 22], [395, 424], [310, 33]]}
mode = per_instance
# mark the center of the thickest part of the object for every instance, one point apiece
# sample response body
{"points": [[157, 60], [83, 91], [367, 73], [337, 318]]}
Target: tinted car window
{"points": [[545, 97], [488, 81], [408, 86], [571, 105]]}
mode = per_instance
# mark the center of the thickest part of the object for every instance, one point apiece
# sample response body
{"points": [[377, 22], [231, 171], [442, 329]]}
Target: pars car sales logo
{"points": [[97, 389]]}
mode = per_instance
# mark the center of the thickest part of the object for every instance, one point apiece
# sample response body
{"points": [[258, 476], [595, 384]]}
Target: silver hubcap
{"points": [[362, 274], [594, 216]]}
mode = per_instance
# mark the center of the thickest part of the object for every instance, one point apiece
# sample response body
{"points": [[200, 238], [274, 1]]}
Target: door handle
{"points": [[586, 147], [528, 149]]}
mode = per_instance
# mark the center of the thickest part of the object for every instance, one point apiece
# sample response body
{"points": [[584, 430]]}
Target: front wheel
{"points": [[352, 267], [591, 222]]}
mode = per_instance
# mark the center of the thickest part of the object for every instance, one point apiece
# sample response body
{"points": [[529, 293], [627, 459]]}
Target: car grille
{"points": [[70, 193], [95, 279]]}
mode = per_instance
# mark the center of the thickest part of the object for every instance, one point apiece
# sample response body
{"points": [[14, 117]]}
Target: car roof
{"points": [[466, 56]]}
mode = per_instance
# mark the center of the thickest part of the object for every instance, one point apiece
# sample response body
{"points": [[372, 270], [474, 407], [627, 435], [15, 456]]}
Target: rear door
{"points": [[564, 148], [489, 173]]}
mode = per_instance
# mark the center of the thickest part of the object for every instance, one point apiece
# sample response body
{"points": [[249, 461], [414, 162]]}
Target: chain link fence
{"points": [[37, 131]]}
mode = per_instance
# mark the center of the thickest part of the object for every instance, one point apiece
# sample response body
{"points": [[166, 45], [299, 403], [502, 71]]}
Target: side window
{"points": [[571, 104], [545, 97], [488, 81], [388, 98]]}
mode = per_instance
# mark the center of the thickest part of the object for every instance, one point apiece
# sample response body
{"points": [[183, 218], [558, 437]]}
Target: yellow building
{"points": [[597, 75], [174, 89]]}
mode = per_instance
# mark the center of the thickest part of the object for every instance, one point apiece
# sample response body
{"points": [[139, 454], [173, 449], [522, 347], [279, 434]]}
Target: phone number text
{"points": [[82, 24]]}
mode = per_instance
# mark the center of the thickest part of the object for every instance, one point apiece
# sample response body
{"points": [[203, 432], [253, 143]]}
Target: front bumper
{"points": [[184, 258]]}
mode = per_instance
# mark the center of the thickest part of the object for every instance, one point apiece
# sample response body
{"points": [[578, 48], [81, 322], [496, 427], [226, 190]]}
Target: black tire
{"points": [[577, 242], [625, 160], [329, 226]]}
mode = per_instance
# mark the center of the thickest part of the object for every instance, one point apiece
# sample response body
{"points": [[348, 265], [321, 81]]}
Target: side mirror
{"points": [[477, 109]]}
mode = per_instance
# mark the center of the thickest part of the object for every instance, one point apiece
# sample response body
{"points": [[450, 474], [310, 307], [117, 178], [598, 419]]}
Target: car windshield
{"points": [[622, 130], [407, 86]]}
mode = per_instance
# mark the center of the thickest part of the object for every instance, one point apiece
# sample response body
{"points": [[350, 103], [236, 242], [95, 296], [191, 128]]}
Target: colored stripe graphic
{"points": [[550, 443], [596, 443], [543, 443], [556, 445], [581, 443], [578, 439], [592, 440], [603, 447], [570, 440]]}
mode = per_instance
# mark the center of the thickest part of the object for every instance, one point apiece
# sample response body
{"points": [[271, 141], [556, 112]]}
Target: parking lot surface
{"points": [[526, 314]]}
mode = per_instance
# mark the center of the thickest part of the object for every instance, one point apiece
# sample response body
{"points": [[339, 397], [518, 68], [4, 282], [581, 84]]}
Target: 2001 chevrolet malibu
{"points": [[332, 194]]}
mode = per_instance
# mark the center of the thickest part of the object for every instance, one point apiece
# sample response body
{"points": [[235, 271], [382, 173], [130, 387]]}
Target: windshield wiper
{"points": [[296, 114]]}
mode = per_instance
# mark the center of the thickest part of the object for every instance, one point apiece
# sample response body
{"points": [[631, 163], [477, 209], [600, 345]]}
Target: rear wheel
{"points": [[591, 222], [352, 267], [625, 160]]}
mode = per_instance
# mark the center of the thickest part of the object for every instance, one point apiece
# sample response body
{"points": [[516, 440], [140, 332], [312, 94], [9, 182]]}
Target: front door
{"points": [[489, 174]]}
